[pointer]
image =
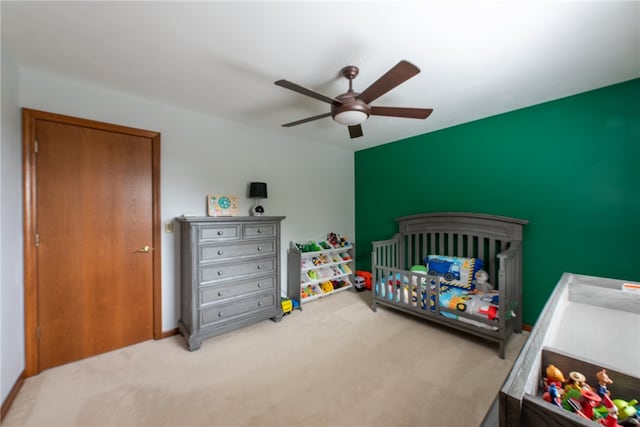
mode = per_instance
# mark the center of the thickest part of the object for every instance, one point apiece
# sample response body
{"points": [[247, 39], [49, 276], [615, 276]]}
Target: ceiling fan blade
{"points": [[410, 113], [308, 119], [402, 72], [303, 90], [355, 131]]}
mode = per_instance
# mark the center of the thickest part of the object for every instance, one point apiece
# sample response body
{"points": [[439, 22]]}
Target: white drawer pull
{"points": [[220, 293], [259, 230], [259, 303], [220, 252], [259, 284], [259, 248], [220, 314], [259, 266], [220, 232], [219, 272]]}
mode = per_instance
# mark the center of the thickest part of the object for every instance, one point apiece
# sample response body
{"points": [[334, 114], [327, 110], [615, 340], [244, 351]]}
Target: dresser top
{"points": [[229, 218]]}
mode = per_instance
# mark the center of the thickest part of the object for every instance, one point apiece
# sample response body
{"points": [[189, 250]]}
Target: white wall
{"points": [[311, 184], [11, 266]]}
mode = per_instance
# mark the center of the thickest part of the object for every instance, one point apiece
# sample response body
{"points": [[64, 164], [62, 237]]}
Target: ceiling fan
{"points": [[352, 108]]}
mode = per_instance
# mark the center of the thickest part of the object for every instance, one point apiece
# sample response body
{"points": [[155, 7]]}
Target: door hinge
{"points": [[38, 332], [35, 146], [37, 239]]}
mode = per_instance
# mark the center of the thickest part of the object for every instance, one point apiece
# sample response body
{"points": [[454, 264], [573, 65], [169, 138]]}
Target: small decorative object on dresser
{"points": [[222, 205], [257, 191], [230, 274]]}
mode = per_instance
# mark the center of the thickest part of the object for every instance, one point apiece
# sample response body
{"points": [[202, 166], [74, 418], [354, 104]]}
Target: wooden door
{"points": [[95, 242]]}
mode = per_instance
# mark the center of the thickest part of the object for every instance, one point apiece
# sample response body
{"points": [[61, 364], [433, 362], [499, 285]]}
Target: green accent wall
{"points": [[571, 167]]}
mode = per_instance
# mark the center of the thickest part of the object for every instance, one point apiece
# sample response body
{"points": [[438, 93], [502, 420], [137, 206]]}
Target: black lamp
{"points": [[257, 191]]}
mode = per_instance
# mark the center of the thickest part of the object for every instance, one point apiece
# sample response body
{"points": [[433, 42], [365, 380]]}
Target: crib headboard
{"points": [[457, 234]]}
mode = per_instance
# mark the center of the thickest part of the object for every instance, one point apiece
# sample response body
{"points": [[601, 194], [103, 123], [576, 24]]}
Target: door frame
{"points": [[29, 119]]}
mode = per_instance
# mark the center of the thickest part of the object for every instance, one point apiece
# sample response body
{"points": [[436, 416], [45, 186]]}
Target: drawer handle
{"points": [[219, 272], [259, 284], [220, 232], [259, 303], [220, 293], [220, 252], [259, 266], [259, 230], [259, 248], [220, 314]]}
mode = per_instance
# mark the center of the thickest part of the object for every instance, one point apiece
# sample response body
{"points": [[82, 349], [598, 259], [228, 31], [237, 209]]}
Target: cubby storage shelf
{"points": [[313, 268]]}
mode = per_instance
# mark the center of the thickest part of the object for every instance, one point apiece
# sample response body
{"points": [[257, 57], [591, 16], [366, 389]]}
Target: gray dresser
{"points": [[230, 274]]}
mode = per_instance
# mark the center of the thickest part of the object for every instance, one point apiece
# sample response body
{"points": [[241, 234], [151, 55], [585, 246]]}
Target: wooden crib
{"points": [[497, 240]]}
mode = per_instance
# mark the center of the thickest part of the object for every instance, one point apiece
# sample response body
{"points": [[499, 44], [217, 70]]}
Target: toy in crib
{"points": [[476, 304], [481, 282]]}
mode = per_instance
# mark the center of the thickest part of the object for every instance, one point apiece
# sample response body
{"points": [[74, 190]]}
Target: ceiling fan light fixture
{"points": [[350, 117]]}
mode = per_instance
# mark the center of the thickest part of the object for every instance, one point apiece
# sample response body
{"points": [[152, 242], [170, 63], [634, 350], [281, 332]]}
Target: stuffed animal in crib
{"points": [[481, 281]]}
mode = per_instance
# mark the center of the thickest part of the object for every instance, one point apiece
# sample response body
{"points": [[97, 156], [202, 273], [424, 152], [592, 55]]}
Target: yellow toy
{"points": [[326, 286]]}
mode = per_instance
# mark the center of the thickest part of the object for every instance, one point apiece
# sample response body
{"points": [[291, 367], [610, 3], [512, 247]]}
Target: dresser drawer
{"points": [[251, 231], [214, 272], [219, 232], [211, 252], [221, 292], [223, 312]]}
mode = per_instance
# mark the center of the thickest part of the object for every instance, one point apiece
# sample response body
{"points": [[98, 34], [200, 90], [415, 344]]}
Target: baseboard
{"points": [[6, 405], [169, 333]]}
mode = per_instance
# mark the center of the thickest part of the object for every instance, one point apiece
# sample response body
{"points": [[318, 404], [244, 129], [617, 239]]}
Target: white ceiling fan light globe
{"points": [[350, 117]]}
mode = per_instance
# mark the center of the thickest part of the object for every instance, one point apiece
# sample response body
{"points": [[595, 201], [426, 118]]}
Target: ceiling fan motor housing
{"points": [[350, 104]]}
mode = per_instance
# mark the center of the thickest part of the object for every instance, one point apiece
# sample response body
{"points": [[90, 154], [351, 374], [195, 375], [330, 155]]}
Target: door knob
{"points": [[145, 249]]}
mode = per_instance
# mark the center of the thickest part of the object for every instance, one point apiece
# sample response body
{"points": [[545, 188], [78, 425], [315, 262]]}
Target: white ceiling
{"points": [[477, 58]]}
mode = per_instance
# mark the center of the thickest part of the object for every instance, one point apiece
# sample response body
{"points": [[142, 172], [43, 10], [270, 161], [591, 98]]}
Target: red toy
{"points": [[366, 276]]}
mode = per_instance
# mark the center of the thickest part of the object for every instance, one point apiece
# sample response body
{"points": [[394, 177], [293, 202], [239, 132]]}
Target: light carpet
{"points": [[336, 363]]}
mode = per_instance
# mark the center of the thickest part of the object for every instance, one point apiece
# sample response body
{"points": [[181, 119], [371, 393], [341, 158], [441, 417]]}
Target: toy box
{"points": [[589, 323]]}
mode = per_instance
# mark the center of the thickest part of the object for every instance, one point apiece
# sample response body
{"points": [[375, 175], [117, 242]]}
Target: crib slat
{"points": [[425, 249], [491, 261]]}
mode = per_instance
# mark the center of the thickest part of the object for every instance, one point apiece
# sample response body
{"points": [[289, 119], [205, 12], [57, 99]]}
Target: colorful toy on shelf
{"points": [[603, 382], [554, 395], [592, 404], [310, 246], [588, 401], [611, 419], [308, 291], [326, 286], [554, 375], [577, 381], [337, 241], [324, 245], [627, 410]]}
